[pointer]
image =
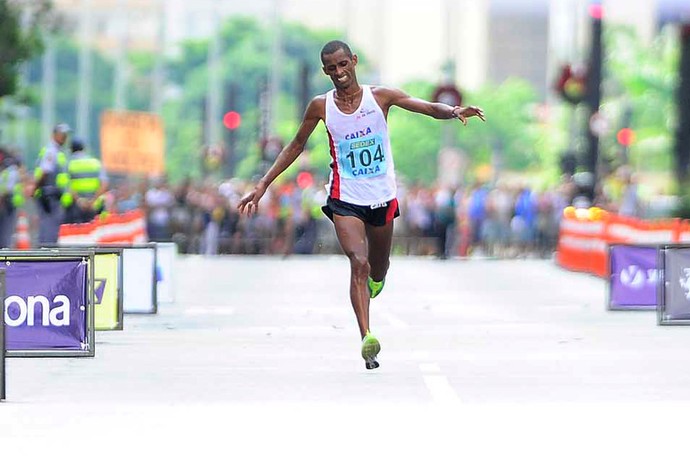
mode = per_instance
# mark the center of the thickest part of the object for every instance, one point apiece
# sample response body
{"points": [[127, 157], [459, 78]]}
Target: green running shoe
{"points": [[370, 348], [375, 288]]}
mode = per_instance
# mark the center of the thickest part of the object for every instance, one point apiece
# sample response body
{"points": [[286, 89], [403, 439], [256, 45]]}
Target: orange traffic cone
{"points": [[22, 238]]}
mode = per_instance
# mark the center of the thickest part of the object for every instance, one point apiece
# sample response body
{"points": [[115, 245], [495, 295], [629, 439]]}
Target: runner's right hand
{"points": [[250, 203]]}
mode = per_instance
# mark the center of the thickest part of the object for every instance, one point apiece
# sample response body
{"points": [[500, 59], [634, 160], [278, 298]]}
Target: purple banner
{"points": [[45, 305], [634, 276]]}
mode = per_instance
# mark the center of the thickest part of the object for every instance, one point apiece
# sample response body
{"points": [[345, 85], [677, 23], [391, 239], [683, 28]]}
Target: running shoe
{"points": [[375, 287], [370, 348]]}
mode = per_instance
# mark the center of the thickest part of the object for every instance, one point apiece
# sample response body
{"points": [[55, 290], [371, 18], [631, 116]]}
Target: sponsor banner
{"points": [[166, 254], [107, 291], [634, 276], [676, 288], [46, 305], [139, 279]]}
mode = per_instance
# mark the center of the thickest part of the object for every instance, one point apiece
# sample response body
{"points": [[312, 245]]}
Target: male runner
{"points": [[362, 191]]}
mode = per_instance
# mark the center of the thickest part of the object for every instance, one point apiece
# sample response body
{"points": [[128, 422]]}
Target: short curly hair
{"points": [[333, 46]]}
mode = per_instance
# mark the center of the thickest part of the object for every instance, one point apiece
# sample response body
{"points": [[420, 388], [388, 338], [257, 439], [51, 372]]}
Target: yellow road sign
{"points": [[132, 142]]}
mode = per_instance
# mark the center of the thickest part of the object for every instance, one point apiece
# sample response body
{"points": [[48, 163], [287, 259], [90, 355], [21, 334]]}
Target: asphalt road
{"points": [[485, 364]]}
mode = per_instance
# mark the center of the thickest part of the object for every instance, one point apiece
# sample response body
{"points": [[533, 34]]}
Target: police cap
{"points": [[62, 128]]}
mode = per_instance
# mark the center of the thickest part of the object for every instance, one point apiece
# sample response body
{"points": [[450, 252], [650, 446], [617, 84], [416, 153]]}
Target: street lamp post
{"points": [[85, 69], [593, 97]]}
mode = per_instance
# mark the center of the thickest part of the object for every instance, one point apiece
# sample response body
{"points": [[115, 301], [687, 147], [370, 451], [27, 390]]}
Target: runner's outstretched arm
{"points": [[249, 203], [395, 97]]}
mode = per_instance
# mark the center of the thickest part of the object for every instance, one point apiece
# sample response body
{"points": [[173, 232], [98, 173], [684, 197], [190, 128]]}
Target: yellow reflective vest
{"points": [[84, 179], [15, 191]]}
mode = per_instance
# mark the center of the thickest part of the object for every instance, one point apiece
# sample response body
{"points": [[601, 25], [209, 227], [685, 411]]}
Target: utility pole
{"points": [[48, 89], [23, 110], [85, 69], [120, 100], [593, 98], [449, 127], [472, 45], [348, 19], [304, 88], [380, 30], [215, 84], [158, 73], [276, 59]]}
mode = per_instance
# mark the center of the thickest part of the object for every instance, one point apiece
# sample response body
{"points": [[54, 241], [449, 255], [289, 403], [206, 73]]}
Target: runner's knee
{"points": [[359, 263]]}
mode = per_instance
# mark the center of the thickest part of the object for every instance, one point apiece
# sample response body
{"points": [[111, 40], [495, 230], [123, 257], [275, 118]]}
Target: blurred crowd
{"points": [[499, 219], [504, 220]]}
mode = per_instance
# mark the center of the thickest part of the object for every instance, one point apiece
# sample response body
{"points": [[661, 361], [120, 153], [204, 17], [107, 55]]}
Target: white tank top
{"points": [[362, 170]]}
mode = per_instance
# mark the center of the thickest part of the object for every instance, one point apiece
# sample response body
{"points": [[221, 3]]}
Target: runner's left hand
{"points": [[463, 113]]}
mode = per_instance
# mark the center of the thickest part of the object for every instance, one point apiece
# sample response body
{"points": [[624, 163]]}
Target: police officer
{"points": [[84, 198], [51, 180], [11, 197]]}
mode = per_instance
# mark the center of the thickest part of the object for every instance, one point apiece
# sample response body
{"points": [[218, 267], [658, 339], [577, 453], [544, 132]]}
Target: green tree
{"points": [[510, 131], [246, 60], [641, 78], [67, 82], [21, 26]]}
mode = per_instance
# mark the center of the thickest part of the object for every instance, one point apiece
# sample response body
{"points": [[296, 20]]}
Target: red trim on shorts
{"points": [[390, 213], [335, 184]]}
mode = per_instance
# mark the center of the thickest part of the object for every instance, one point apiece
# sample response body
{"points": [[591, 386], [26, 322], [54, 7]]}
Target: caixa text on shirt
{"points": [[358, 134], [19, 311]]}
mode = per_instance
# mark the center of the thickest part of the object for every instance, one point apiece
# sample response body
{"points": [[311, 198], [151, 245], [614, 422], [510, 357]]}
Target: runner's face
{"points": [[340, 68]]}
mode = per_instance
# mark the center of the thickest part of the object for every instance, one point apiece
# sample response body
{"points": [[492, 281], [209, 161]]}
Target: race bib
{"points": [[363, 157]]}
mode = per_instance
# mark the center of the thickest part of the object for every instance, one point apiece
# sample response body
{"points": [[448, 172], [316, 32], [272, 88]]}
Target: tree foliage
{"points": [[514, 138], [21, 26], [641, 78], [245, 63]]}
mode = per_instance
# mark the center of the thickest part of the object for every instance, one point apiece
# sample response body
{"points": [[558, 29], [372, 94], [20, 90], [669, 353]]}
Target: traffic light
{"points": [[305, 179], [626, 137], [572, 84], [596, 10], [232, 120], [448, 94]]}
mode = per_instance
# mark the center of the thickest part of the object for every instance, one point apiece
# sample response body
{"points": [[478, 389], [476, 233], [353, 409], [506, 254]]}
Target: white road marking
{"points": [[441, 390], [210, 310], [430, 368]]}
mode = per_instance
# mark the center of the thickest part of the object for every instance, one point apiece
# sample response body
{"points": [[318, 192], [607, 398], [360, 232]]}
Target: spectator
{"points": [[159, 200], [476, 212], [524, 222], [445, 221]]}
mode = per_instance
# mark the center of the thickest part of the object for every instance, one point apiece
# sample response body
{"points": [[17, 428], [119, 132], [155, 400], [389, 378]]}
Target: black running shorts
{"points": [[377, 215]]}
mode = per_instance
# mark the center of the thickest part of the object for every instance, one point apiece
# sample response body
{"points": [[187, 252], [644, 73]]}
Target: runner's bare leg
{"points": [[380, 241], [352, 237]]}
